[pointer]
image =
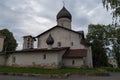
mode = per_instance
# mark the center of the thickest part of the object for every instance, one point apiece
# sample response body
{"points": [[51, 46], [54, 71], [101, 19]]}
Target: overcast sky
{"points": [[32, 17]]}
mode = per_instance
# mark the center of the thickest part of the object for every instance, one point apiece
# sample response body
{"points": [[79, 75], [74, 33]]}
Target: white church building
{"points": [[57, 47]]}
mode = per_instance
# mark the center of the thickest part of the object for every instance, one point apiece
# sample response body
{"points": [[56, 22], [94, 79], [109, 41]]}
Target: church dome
{"points": [[64, 13], [50, 40]]}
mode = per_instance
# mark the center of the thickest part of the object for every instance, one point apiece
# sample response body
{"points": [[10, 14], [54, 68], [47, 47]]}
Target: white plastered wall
{"points": [[61, 35], [78, 62]]}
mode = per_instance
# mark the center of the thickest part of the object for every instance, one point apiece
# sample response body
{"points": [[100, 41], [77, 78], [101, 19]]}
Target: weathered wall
{"points": [[78, 62], [65, 22], [1, 43], [89, 62], [35, 59], [61, 35], [2, 60]]}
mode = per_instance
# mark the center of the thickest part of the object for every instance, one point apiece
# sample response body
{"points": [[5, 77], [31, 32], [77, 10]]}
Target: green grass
{"points": [[57, 71], [47, 71], [109, 69]]}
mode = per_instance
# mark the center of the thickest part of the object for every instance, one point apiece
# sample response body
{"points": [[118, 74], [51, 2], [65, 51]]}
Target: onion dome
{"points": [[50, 40], [64, 13]]}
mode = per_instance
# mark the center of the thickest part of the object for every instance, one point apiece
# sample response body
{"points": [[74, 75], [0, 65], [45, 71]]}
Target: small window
{"points": [[28, 45], [71, 43], [44, 56], [59, 44], [73, 62], [13, 59], [28, 39]]}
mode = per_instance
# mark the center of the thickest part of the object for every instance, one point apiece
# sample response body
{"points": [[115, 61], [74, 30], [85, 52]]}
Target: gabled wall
{"points": [[61, 35]]}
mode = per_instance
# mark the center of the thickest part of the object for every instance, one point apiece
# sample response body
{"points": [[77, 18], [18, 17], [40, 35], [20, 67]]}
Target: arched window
{"points": [[73, 62], [13, 59], [44, 56], [71, 43], [59, 44]]}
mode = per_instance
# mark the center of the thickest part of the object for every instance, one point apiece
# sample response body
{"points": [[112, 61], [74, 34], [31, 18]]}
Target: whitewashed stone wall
{"points": [[73, 62], [89, 62], [36, 59], [1, 43], [61, 35], [2, 60], [64, 22]]}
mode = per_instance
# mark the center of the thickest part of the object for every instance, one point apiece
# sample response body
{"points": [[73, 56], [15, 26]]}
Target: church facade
{"points": [[57, 47]]}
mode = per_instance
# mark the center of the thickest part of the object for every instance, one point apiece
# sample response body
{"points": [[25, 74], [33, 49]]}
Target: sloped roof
{"points": [[85, 43], [70, 53], [75, 53], [37, 50], [57, 26], [30, 37]]}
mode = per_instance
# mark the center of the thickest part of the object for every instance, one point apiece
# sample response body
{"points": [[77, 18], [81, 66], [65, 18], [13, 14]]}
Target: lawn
{"points": [[55, 71]]}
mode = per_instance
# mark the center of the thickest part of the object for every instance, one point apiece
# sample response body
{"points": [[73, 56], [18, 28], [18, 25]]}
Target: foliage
{"points": [[10, 43], [116, 45], [96, 36], [114, 5], [104, 36], [109, 69]]}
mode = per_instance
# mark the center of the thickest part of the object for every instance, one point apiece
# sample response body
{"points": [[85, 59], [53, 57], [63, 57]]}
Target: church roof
{"points": [[38, 50], [64, 13], [75, 53], [30, 37], [85, 43], [69, 53]]}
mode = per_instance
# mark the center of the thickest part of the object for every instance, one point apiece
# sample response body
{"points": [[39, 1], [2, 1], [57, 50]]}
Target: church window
{"points": [[44, 56], [28, 45], [28, 39], [71, 43], [62, 24], [73, 62], [13, 59], [59, 44]]}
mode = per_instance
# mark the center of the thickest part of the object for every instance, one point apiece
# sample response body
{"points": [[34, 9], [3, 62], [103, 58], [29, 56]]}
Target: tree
{"points": [[96, 36], [116, 46], [10, 43], [102, 37], [114, 5]]}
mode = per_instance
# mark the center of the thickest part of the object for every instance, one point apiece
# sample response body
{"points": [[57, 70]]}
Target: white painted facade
{"points": [[28, 42], [2, 60], [1, 42], [88, 58], [45, 59], [73, 62], [64, 22], [65, 37]]}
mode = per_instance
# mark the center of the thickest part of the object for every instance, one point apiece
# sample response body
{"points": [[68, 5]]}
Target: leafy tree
{"points": [[114, 5], [101, 37], [10, 43], [96, 36], [116, 45]]}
